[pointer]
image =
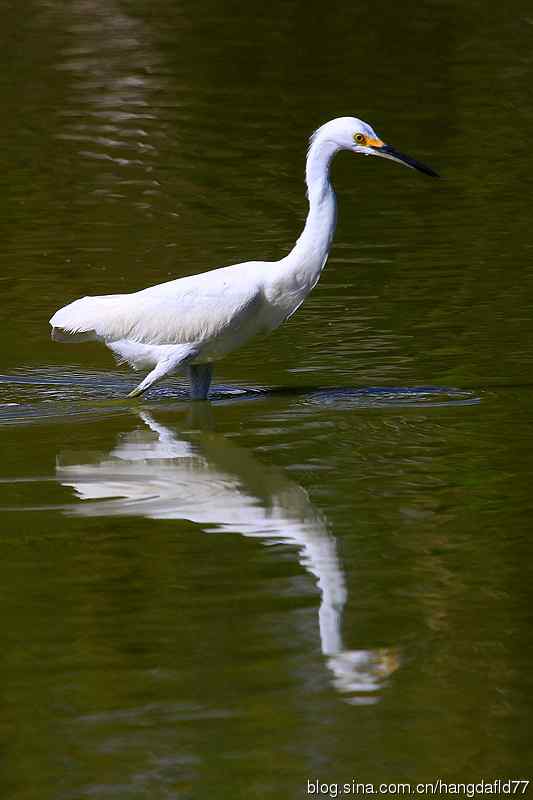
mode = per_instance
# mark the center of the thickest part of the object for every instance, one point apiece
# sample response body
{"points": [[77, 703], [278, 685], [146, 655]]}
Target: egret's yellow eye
{"points": [[359, 138]]}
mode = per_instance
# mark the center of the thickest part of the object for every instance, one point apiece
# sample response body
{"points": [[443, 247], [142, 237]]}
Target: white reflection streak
{"points": [[219, 486], [111, 64]]}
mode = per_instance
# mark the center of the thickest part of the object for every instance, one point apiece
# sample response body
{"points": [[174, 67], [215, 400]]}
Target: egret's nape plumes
{"points": [[189, 323]]}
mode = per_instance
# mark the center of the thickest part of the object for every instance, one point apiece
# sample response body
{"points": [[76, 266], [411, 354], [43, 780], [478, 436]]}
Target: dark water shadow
{"points": [[344, 397], [46, 394]]}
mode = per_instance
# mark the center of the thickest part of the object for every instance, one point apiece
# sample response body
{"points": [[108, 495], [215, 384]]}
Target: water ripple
{"points": [[46, 393]]}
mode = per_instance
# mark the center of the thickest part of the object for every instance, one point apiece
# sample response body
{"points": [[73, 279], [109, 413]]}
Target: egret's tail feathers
{"points": [[73, 337], [84, 320]]}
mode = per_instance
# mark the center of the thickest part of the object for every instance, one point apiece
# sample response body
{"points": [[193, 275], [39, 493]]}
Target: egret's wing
{"points": [[192, 309]]}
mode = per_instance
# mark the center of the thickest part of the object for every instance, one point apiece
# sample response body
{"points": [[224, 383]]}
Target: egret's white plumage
{"points": [[192, 322]]}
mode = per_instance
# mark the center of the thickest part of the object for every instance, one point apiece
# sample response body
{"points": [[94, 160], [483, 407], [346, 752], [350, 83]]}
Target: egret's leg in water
{"points": [[200, 377], [174, 358]]}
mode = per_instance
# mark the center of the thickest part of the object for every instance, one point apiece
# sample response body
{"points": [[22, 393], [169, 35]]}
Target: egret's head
{"points": [[350, 133]]}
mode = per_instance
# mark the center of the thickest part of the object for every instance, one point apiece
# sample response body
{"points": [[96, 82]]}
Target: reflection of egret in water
{"points": [[157, 473]]}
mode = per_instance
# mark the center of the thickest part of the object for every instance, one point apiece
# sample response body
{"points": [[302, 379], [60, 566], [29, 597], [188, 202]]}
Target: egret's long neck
{"points": [[310, 252]]}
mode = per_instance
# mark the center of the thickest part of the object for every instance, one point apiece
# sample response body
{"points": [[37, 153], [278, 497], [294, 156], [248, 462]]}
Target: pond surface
{"points": [[324, 573]]}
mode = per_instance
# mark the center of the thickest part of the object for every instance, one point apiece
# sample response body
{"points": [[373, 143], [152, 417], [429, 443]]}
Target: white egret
{"points": [[191, 322]]}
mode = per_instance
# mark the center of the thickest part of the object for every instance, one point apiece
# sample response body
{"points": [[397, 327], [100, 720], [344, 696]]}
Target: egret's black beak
{"points": [[390, 152]]}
